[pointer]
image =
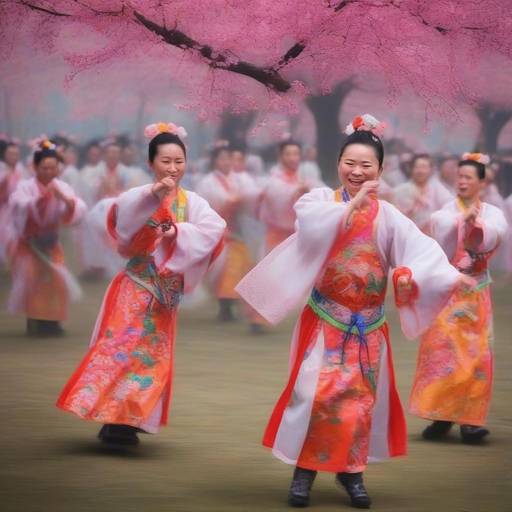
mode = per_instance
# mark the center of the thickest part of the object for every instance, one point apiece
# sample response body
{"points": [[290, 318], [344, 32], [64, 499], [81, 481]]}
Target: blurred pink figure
{"points": [[11, 172], [284, 187], [42, 285], [423, 194], [230, 194]]}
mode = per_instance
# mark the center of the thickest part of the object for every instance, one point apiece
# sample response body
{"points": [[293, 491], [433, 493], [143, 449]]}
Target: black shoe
{"points": [[353, 484], [437, 430], [226, 311], [52, 328], [32, 327], [473, 435], [44, 328], [300, 487], [256, 329], [119, 435]]}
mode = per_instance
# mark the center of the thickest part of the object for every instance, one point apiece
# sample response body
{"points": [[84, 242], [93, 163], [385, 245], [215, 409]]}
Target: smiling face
{"points": [[358, 163], [169, 162], [468, 183]]}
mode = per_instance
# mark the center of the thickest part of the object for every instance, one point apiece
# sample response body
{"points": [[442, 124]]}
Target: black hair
{"points": [[216, 152], [160, 140], [43, 153], [60, 140], [3, 147], [480, 168], [286, 143], [420, 156], [366, 138], [240, 147]]}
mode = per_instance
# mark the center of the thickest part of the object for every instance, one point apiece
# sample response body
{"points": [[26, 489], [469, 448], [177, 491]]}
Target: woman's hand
{"points": [[405, 290], [164, 187], [368, 190], [472, 214]]}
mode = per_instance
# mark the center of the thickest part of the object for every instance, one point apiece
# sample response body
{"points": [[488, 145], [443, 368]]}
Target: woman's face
{"points": [[358, 164], [223, 161], [468, 183], [169, 162], [47, 169], [421, 171]]}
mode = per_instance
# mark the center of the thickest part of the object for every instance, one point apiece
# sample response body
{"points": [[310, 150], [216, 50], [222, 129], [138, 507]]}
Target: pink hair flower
{"points": [[152, 130]]}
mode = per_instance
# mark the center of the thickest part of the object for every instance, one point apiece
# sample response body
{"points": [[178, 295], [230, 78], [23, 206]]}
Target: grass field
{"points": [[210, 457]]}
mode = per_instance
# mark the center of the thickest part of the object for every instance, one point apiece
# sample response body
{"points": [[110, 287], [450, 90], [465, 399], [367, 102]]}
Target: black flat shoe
{"points": [[256, 329], [353, 484], [118, 435], [437, 430], [473, 435], [300, 487], [226, 311]]}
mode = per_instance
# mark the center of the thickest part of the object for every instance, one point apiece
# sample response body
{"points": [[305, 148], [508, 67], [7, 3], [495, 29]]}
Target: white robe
{"points": [[445, 222], [420, 205], [23, 201], [278, 197], [196, 239], [282, 281]]}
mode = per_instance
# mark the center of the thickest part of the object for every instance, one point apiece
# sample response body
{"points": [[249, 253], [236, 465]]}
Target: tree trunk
{"points": [[492, 122], [325, 110], [234, 127]]}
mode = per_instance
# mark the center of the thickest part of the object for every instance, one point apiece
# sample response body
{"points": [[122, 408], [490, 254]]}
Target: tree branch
{"points": [[268, 76], [42, 9]]}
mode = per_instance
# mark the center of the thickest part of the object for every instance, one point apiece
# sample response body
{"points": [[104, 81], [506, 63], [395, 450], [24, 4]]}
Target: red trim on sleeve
{"points": [[112, 221]]}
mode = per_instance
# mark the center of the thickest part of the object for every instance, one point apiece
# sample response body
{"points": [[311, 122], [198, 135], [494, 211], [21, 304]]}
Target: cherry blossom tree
{"points": [[266, 56]]}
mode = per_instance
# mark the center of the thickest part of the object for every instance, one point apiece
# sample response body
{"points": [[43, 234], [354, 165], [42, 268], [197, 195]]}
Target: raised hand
{"points": [[166, 186], [405, 290], [367, 191], [472, 214]]}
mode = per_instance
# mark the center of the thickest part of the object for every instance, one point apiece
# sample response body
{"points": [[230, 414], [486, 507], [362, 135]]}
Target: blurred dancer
{"points": [[422, 195], [169, 236], [340, 406], [227, 195], [453, 379], [42, 285], [448, 171], [104, 183], [280, 193], [70, 173], [11, 173]]}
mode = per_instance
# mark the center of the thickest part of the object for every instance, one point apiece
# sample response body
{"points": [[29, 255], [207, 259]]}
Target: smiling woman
{"points": [[340, 407], [169, 237]]}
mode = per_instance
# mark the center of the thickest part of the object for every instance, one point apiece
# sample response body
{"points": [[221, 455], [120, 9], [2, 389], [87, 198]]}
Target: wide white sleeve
{"points": [[134, 208], [494, 228], [444, 226], [196, 241], [21, 201], [283, 279], [79, 208], [435, 277]]}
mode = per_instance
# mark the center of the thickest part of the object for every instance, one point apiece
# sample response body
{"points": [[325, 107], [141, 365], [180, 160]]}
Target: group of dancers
{"points": [[328, 251]]}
